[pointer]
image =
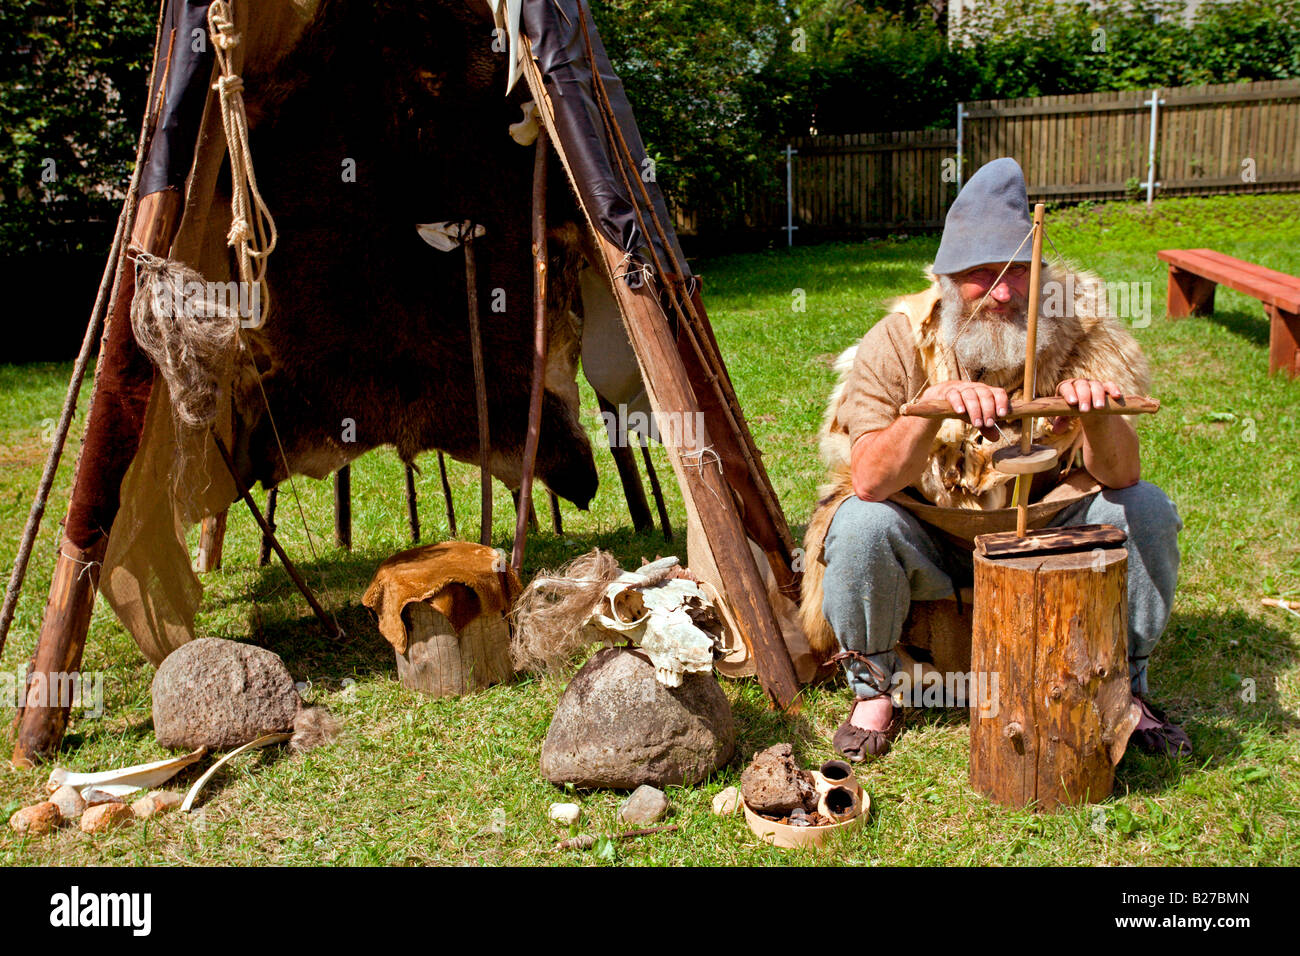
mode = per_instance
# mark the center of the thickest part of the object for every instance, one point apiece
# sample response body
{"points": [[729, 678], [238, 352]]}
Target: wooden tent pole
{"points": [[480, 391], [37, 512], [628, 476], [557, 522], [343, 507], [446, 495], [658, 492], [264, 554], [122, 382], [412, 507], [539, 350], [39, 728], [736, 436]]}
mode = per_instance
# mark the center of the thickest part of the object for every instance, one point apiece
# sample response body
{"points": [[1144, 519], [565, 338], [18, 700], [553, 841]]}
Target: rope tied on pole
{"points": [[252, 229]]}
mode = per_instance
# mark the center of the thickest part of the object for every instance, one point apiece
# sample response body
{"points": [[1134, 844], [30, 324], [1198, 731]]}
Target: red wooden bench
{"points": [[1194, 273]]}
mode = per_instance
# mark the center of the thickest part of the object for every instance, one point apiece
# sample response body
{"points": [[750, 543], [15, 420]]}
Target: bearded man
{"points": [[907, 495]]}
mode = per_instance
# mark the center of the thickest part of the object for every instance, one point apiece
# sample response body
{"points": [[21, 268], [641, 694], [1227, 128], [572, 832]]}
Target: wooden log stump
{"points": [[1051, 634], [441, 662], [212, 535]]}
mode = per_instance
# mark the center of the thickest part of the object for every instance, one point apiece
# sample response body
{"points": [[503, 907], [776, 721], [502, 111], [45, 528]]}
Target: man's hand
{"points": [[1084, 394], [1110, 443], [1087, 393], [889, 460], [981, 404]]}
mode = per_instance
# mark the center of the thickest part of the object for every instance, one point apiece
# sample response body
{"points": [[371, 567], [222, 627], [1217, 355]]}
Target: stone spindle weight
{"points": [[1050, 639]]}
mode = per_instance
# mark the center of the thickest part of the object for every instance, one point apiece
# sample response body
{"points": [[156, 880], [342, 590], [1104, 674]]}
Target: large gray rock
{"points": [[618, 727], [221, 694]]}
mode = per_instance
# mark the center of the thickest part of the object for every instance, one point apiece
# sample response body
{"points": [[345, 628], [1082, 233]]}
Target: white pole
{"points": [[1151, 149], [789, 195], [960, 114]]}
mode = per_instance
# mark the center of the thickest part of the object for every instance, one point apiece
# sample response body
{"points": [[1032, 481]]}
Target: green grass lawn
{"points": [[413, 780]]}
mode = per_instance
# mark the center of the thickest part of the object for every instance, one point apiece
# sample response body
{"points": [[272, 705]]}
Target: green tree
{"points": [[73, 80]]}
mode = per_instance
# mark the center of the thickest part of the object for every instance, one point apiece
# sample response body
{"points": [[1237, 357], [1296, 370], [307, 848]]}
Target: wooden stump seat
{"points": [[1194, 274], [1053, 629], [442, 662]]}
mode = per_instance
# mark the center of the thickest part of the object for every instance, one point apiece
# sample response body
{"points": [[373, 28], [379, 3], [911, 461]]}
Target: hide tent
{"points": [[441, 212]]}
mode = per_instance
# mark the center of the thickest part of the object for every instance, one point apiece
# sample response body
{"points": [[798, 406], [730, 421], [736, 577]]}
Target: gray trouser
{"points": [[880, 558]]}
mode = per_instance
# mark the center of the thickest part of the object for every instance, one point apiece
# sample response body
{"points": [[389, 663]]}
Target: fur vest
{"points": [[966, 495]]}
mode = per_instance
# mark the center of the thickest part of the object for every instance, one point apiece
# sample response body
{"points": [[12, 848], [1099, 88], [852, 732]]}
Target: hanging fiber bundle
{"points": [[550, 614], [189, 331]]}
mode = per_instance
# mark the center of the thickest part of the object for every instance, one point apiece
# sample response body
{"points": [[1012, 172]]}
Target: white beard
{"points": [[986, 344]]}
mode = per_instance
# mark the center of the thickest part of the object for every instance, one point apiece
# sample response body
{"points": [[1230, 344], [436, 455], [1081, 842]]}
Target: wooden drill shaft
{"points": [[1039, 408]]}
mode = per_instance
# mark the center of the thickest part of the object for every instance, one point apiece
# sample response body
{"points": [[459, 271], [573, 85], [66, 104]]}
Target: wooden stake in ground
{"points": [[412, 508], [446, 495], [1050, 646], [264, 552], [212, 535], [539, 351], [664, 525], [480, 390], [343, 507], [331, 626], [557, 523], [633, 491]]}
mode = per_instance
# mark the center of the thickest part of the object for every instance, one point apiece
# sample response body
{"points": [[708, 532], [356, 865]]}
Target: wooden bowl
{"points": [[786, 836]]}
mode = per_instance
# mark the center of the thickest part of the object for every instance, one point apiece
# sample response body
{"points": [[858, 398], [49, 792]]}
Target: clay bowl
{"points": [[786, 836]]}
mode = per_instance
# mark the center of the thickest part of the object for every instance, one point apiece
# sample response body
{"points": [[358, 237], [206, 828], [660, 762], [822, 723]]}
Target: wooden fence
{"points": [[1229, 138], [1240, 137], [873, 181]]}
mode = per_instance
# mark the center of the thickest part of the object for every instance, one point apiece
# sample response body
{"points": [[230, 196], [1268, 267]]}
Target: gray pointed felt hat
{"points": [[988, 221]]}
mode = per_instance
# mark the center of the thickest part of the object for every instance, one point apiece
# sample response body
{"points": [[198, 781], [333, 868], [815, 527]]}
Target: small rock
{"points": [[69, 802], [94, 797], [106, 816], [152, 804], [646, 805], [37, 819], [566, 813], [728, 801]]}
